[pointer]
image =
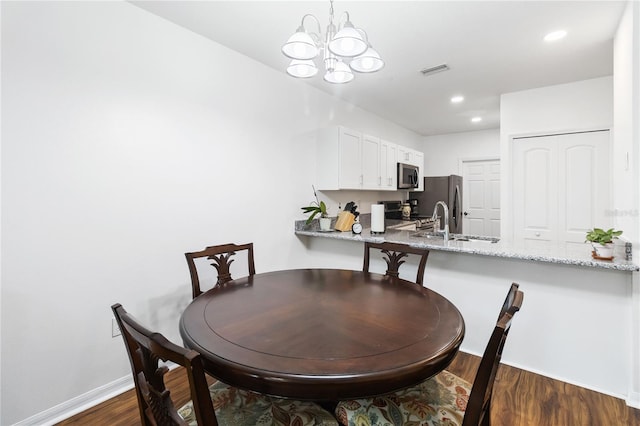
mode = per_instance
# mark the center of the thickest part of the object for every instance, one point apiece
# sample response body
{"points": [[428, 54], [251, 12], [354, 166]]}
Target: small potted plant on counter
{"points": [[602, 242], [318, 207]]}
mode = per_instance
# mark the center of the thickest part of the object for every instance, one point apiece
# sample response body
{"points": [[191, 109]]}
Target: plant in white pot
{"points": [[602, 241], [318, 208]]}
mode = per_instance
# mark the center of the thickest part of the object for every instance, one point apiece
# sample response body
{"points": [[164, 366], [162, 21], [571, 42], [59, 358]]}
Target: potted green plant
{"points": [[602, 241], [318, 208]]}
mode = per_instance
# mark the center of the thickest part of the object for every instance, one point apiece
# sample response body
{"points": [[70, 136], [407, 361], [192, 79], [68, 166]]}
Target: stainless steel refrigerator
{"points": [[442, 188]]}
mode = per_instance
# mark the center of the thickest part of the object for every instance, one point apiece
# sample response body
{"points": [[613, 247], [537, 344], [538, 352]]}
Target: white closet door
{"points": [[535, 199], [560, 185], [583, 184]]}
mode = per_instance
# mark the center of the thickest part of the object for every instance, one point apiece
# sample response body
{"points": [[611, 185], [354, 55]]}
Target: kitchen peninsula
{"points": [[579, 324], [537, 251]]}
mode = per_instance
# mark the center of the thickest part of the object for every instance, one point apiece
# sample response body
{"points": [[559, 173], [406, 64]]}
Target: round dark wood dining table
{"points": [[322, 334]]}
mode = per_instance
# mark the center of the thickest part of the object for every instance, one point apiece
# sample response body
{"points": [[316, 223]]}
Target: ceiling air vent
{"points": [[434, 70]]}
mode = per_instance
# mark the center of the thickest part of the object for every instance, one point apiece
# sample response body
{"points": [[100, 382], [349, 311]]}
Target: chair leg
{"points": [[486, 418]]}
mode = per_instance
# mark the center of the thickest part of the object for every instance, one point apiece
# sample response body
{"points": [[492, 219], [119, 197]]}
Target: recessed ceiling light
{"points": [[457, 99], [555, 35], [476, 119]]}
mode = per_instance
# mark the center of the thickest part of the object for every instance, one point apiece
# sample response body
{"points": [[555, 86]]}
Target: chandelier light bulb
{"points": [[300, 46], [369, 61], [347, 42], [340, 75], [302, 69]]}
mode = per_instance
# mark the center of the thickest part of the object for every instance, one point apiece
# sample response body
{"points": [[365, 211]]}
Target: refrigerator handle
{"points": [[456, 206]]}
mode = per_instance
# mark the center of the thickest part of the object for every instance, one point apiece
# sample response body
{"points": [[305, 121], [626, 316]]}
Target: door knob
{"points": [[466, 214], [537, 234]]}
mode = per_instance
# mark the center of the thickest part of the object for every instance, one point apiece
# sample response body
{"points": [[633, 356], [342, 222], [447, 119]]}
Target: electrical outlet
{"points": [[115, 330]]}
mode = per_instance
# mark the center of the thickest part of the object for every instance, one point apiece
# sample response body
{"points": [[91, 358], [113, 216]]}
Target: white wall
{"points": [[626, 120], [626, 159], [444, 152], [582, 105], [127, 141], [1, 185]]}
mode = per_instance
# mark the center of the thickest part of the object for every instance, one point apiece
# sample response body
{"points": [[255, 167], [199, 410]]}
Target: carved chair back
{"points": [[145, 349], [479, 405], [394, 256], [221, 257]]}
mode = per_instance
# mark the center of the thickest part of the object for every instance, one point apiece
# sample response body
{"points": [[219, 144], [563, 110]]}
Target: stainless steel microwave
{"points": [[407, 176]]}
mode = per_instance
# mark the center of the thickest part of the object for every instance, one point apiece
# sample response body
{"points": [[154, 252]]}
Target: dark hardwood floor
{"points": [[520, 398]]}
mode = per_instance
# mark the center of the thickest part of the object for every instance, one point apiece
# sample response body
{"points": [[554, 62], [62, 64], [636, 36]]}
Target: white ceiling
{"points": [[491, 47]]}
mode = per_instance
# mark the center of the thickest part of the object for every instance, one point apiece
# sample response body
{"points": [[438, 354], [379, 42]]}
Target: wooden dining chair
{"points": [[395, 253], [221, 257], [232, 406], [444, 398]]}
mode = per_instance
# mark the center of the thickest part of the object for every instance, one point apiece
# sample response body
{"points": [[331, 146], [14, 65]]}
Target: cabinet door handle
{"points": [[379, 180], [537, 234], [361, 179]]}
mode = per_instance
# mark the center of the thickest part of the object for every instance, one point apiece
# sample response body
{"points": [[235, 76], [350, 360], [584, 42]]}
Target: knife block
{"points": [[344, 221]]}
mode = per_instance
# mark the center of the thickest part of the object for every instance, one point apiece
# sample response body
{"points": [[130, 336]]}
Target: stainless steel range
{"points": [[393, 211]]}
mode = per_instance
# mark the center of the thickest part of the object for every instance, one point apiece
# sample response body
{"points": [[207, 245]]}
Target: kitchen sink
{"points": [[430, 235], [478, 239], [458, 237]]}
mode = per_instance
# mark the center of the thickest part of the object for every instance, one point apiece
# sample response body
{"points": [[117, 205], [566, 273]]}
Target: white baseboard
{"points": [[632, 400], [78, 404], [82, 402], [565, 380]]}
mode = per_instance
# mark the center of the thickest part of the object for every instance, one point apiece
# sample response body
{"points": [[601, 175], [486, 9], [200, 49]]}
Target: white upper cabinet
{"points": [[339, 159], [410, 156], [388, 166], [349, 153], [347, 159], [370, 162]]}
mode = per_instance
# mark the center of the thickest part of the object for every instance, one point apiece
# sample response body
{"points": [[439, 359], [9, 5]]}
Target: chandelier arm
{"points": [[319, 33], [340, 24]]}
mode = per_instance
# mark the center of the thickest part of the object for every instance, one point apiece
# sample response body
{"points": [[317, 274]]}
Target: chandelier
{"points": [[339, 45]]}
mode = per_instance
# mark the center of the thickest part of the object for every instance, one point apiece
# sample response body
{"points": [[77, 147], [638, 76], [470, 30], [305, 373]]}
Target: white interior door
{"points": [[481, 197], [560, 186]]}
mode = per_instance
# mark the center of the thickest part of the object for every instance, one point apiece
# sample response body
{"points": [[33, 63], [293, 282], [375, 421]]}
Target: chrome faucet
{"points": [[445, 213]]}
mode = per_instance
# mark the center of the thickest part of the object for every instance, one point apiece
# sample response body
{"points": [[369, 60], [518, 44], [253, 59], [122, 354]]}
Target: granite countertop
{"points": [[537, 251]]}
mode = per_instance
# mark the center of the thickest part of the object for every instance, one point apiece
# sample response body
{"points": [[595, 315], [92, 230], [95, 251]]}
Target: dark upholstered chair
{"points": [[221, 256], [444, 398], [395, 253], [232, 406]]}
